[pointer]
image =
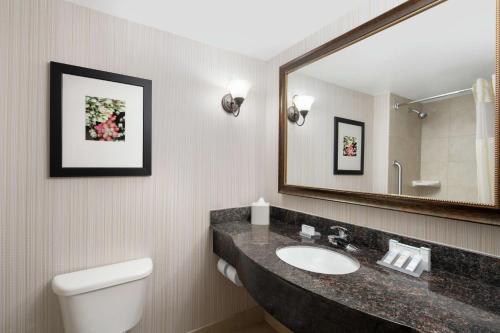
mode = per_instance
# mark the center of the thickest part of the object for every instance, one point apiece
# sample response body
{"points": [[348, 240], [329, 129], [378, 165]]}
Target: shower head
{"points": [[420, 114]]}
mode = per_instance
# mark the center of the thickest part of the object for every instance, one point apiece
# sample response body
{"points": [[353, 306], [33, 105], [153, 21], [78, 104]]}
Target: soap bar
{"points": [[307, 229], [389, 258], [412, 266], [306, 235], [403, 258]]}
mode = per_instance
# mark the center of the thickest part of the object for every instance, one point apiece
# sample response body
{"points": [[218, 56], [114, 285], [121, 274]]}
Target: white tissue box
{"points": [[260, 212]]}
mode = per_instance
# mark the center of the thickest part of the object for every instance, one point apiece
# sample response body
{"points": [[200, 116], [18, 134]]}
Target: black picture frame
{"points": [[56, 94], [336, 170]]}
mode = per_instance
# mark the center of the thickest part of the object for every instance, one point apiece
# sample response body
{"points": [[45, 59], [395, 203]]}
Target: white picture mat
{"points": [[77, 152], [349, 162]]}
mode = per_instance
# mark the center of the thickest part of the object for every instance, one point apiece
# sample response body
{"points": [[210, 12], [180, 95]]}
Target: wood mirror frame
{"points": [[473, 212]]}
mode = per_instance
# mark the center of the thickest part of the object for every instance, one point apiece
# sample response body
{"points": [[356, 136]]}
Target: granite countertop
{"points": [[438, 301]]}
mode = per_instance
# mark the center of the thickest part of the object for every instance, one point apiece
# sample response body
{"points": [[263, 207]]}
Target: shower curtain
{"points": [[483, 91]]}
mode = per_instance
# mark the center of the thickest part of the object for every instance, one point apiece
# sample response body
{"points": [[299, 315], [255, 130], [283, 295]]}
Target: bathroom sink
{"points": [[317, 260]]}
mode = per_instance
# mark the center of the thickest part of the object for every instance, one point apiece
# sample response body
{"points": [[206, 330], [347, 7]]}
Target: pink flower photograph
{"points": [[104, 119], [350, 146]]}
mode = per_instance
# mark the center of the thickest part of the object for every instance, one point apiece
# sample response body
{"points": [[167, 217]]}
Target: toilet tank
{"points": [[106, 299]]}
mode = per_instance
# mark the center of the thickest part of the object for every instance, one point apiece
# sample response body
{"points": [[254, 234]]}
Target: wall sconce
{"points": [[301, 105], [238, 90]]}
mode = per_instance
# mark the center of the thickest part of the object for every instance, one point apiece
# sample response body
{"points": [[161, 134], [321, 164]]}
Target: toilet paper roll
{"points": [[221, 266], [229, 272], [232, 275]]}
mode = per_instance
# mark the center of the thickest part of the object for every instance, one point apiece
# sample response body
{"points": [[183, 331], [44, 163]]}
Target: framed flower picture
{"points": [[349, 147], [100, 123]]}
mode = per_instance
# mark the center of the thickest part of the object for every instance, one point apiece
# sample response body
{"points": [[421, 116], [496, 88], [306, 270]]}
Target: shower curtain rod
{"points": [[458, 92]]}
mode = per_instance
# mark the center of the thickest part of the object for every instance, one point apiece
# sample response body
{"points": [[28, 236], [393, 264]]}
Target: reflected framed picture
{"points": [[349, 146], [100, 123]]}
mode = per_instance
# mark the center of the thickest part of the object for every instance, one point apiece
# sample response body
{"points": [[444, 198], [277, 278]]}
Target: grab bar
{"points": [[400, 176]]}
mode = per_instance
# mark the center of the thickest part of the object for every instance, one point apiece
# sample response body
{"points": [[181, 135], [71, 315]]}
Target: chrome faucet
{"points": [[341, 238]]}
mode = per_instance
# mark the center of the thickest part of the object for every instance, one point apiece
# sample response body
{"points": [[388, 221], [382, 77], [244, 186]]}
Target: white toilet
{"points": [[106, 299]]}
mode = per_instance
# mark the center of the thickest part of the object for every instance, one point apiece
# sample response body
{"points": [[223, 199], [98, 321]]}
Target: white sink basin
{"points": [[318, 260]]}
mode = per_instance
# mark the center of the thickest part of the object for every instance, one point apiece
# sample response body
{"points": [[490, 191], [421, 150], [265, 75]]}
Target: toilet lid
{"points": [[101, 277]]}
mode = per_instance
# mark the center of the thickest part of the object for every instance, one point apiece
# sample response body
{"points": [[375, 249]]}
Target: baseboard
{"points": [[236, 322], [275, 324]]}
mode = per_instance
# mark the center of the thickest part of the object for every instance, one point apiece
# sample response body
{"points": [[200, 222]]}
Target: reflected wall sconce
{"points": [[238, 90], [301, 105]]}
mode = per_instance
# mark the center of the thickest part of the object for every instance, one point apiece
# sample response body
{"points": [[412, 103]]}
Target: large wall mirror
{"points": [[399, 113]]}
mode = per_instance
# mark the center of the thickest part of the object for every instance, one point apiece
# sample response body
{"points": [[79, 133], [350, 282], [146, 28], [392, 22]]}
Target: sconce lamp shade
{"points": [[239, 88], [303, 102]]}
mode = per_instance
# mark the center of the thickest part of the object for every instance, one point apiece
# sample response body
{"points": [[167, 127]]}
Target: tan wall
{"points": [[449, 148], [203, 159], [467, 235], [404, 146], [380, 143]]}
